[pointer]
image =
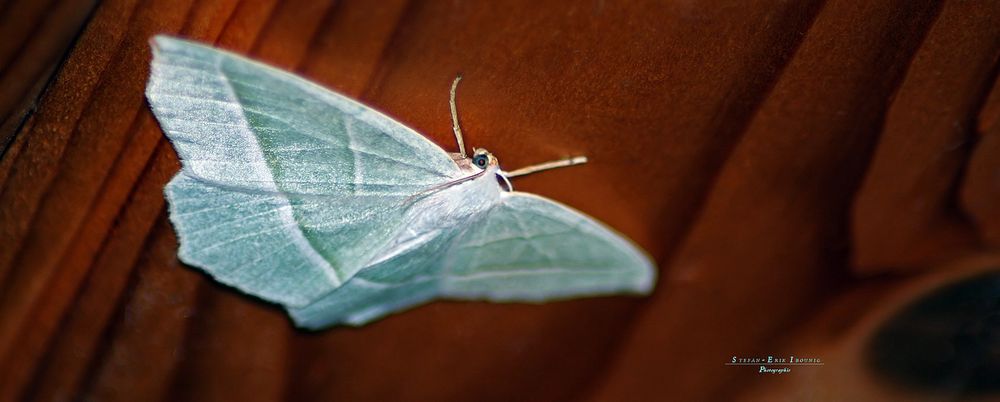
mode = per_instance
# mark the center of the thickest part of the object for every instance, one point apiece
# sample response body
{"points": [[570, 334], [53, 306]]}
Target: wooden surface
{"points": [[799, 169]]}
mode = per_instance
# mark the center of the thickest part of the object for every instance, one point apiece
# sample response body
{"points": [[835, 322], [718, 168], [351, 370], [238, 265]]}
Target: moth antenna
{"points": [[565, 162], [454, 116]]}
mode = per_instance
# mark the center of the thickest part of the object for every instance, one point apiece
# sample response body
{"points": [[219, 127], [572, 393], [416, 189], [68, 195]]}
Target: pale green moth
{"points": [[300, 196]]}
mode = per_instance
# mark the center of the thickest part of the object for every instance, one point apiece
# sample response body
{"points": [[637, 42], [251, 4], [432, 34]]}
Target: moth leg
{"points": [[454, 117], [503, 176], [565, 162]]}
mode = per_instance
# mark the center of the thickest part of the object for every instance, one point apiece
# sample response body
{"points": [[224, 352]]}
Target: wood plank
{"points": [[905, 215], [789, 184]]}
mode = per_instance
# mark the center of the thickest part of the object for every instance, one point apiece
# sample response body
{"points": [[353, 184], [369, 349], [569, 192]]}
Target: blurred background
{"points": [[816, 179]]}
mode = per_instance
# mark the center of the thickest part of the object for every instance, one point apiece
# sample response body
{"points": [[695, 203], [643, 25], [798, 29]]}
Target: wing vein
{"points": [[287, 217], [353, 113]]}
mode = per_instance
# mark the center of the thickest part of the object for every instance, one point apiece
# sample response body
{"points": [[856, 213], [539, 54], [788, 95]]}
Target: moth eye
{"points": [[480, 160]]}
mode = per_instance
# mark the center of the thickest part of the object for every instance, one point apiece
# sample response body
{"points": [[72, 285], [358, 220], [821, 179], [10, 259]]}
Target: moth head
{"points": [[482, 159]]}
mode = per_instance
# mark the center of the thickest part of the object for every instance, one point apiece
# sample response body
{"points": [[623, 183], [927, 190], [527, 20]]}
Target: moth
{"points": [[300, 196]]}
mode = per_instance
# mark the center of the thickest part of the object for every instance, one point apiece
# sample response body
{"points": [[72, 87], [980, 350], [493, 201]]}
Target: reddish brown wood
{"points": [[770, 242], [906, 213], [36, 35], [981, 188], [771, 155], [843, 328]]}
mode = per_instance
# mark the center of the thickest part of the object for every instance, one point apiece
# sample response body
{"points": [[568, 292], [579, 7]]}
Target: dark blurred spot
{"points": [[948, 341]]}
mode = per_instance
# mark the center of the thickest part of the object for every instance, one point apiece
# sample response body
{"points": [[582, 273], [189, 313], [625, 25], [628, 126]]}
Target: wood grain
{"points": [[905, 214], [789, 164], [36, 36]]}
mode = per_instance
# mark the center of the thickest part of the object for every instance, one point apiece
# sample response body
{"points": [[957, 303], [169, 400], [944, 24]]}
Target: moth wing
{"points": [[287, 189], [523, 248], [532, 249]]}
